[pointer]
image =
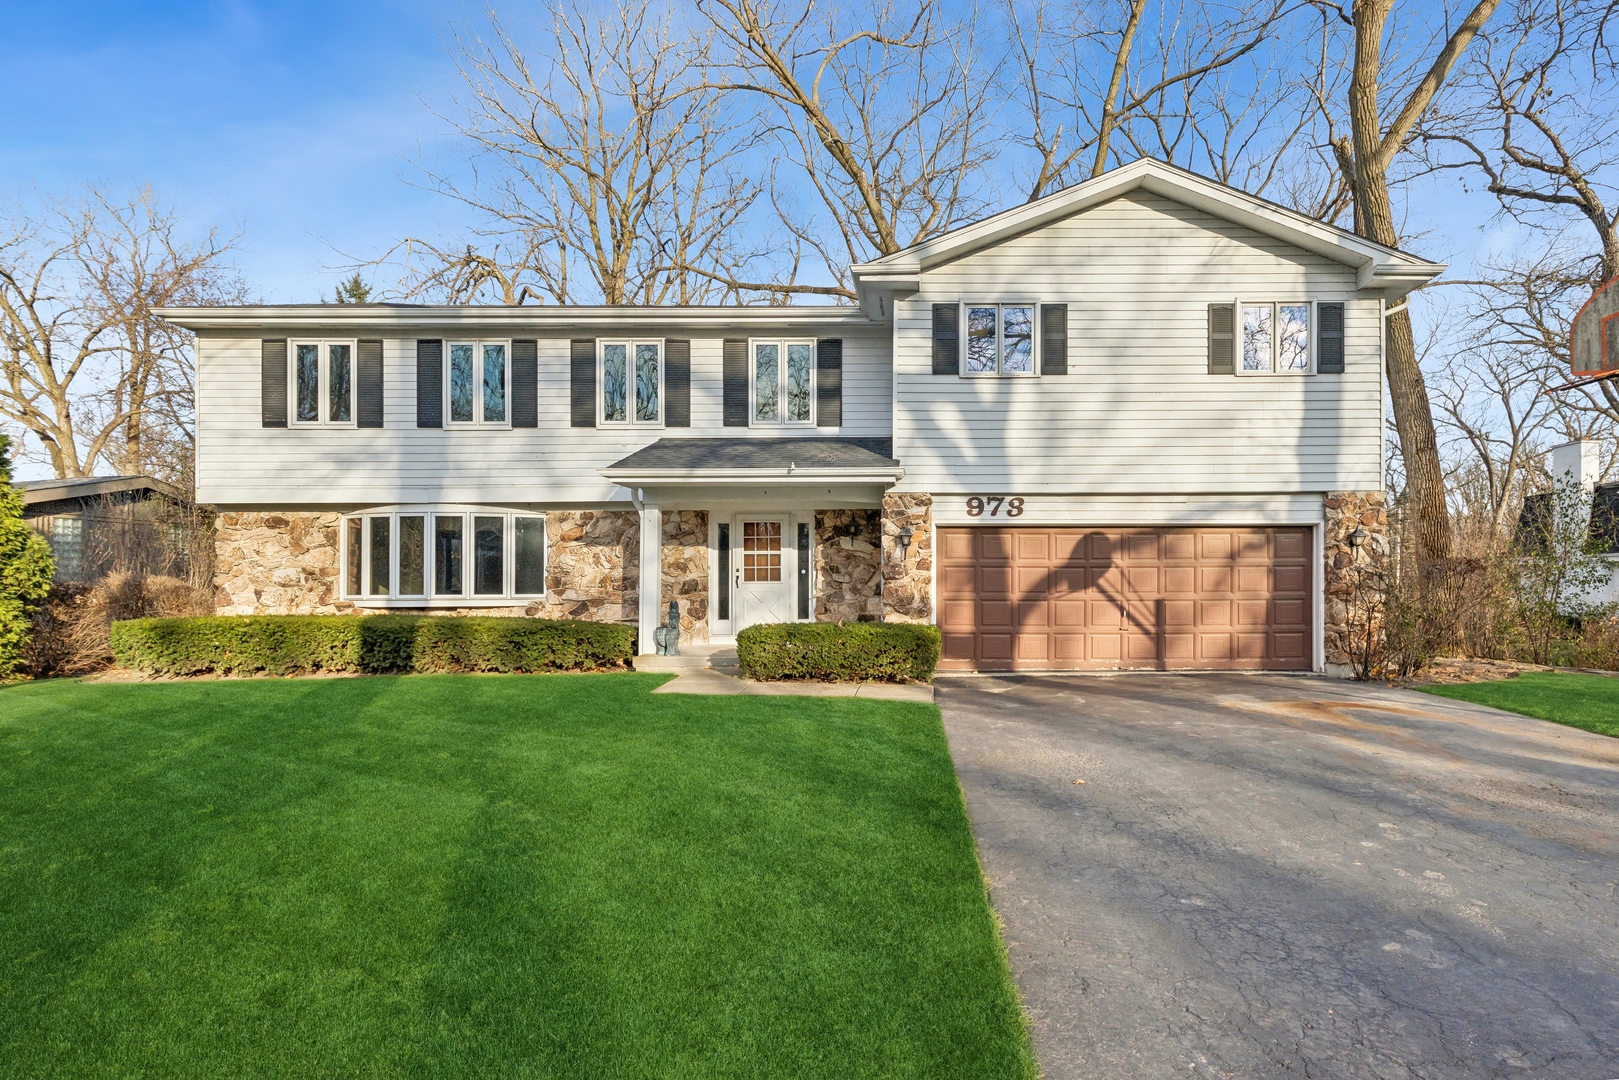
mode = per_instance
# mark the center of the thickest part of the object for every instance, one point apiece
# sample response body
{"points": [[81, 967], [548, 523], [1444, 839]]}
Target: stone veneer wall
{"points": [[289, 564], [908, 582], [1355, 576], [848, 566], [278, 564], [685, 572]]}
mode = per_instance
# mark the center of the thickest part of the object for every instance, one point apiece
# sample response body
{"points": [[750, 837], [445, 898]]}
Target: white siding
{"points": [[1137, 411], [240, 463]]}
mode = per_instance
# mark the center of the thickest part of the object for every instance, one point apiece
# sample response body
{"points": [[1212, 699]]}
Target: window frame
{"points": [[323, 396], [1276, 307], [477, 420], [630, 344], [781, 381], [963, 339], [428, 598]]}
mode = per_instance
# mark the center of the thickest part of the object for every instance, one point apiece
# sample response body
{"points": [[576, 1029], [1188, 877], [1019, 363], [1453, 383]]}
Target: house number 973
{"points": [[994, 505]]}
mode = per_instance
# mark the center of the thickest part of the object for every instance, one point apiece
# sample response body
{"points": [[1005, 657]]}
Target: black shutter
{"points": [[736, 383], [273, 382], [429, 384], [368, 384], [1222, 339], [1329, 347], [525, 383], [582, 382], [946, 331], [1053, 339], [829, 382], [677, 383]]}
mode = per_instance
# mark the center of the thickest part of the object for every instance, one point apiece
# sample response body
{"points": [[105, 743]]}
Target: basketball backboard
{"points": [[1594, 338]]}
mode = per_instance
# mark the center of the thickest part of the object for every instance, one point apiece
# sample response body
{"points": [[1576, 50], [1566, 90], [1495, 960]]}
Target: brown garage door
{"points": [[1066, 598]]}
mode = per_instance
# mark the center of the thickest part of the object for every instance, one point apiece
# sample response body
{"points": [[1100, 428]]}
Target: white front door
{"points": [[759, 573]]}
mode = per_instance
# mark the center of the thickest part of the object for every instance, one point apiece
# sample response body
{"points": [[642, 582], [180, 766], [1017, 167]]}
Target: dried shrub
{"points": [[71, 628]]}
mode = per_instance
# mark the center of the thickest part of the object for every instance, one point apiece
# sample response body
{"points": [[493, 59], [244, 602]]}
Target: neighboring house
{"points": [[1132, 424], [1576, 465], [86, 518]]}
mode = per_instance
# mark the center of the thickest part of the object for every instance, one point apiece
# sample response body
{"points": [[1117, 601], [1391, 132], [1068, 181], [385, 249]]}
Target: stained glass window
{"points": [[800, 368], [462, 386], [646, 383], [308, 364], [494, 384], [767, 383], [615, 382]]}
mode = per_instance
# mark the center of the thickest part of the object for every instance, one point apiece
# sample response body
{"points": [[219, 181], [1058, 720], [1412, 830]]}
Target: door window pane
{"points": [[1017, 354], [646, 382], [340, 363], [1256, 337], [615, 385], [1293, 337], [447, 555], [800, 366], [461, 383], [488, 545], [412, 555], [494, 383], [761, 551], [529, 550], [766, 383], [356, 549], [980, 339], [379, 556], [308, 371]]}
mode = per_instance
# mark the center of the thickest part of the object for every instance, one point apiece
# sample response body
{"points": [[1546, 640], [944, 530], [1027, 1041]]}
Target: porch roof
{"points": [[706, 461]]}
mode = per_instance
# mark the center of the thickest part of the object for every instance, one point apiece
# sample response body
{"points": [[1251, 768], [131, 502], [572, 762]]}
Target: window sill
{"points": [[383, 602]]}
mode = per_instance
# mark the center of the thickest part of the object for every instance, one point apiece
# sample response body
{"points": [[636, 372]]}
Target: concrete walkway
{"points": [[709, 681]]}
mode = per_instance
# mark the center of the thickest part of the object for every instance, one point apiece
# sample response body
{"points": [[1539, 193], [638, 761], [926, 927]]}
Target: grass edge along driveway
{"points": [[1589, 702], [489, 876]]}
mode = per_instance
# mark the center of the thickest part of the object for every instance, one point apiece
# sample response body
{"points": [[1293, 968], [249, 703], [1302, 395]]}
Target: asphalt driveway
{"points": [[1287, 876]]}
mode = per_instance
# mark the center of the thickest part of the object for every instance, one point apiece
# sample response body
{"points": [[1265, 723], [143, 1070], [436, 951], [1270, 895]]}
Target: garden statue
{"points": [[667, 636]]}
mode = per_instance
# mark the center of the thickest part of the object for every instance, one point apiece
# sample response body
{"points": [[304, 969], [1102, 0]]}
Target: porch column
{"points": [[650, 588]]}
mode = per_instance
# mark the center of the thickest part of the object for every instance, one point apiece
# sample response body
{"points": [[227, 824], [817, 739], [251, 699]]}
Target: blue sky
{"points": [[294, 121]]}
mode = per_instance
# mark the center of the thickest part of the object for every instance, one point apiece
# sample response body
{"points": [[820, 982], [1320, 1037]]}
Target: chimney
{"points": [[1575, 462]]}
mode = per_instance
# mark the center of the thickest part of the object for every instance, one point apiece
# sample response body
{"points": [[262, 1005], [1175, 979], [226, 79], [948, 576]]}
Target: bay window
{"points": [[321, 377], [1276, 338], [476, 376], [443, 556], [782, 388], [1000, 339], [631, 382]]}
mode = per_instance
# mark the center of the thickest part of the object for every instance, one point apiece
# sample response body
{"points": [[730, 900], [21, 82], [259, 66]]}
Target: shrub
{"points": [[71, 627], [855, 651], [293, 644]]}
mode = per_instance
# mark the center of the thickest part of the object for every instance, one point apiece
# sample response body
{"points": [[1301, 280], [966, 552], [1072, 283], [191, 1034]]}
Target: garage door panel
{"points": [[1184, 598]]}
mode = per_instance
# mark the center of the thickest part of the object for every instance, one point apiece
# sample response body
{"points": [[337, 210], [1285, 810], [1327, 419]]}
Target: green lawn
{"points": [[1583, 701], [471, 876]]}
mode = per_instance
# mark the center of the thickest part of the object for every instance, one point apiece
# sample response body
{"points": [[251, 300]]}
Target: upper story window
{"points": [[442, 556], [782, 389], [1000, 340], [631, 381], [476, 376], [322, 377], [1276, 338]]}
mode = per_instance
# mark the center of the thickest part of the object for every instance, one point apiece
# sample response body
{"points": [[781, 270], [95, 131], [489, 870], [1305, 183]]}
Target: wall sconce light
{"points": [[1356, 538], [904, 539]]}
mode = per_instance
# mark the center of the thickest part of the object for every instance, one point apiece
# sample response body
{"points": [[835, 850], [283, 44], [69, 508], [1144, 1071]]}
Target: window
{"points": [[322, 382], [477, 374], [783, 384], [67, 544], [1276, 339], [443, 556], [631, 382], [1000, 340]]}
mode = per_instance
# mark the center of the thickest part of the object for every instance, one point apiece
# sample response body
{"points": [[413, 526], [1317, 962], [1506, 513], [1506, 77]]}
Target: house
{"points": [[1137, 423], [1576, 469], [94, 521]]}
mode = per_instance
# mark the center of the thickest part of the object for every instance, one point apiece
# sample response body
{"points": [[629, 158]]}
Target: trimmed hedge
{"points": [[300, 644], [852, 651]]}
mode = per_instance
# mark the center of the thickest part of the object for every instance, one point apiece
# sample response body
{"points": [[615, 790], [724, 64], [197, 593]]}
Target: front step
{"points": [[693, 658]]}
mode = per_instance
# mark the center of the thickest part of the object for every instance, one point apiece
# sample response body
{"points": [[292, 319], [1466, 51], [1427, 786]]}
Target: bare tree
{"points": [[599, 165], [1184, 82], [86, 368], [1366, 157], [881, 116]]}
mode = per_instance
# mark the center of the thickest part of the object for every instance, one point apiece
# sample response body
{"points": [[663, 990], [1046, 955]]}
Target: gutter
{"points": [[439, 317]]}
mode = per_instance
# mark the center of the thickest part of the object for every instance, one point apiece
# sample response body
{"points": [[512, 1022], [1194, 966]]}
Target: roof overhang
{"points": [[775, 477], [1381, 271], [758, 462], [441, 317]]}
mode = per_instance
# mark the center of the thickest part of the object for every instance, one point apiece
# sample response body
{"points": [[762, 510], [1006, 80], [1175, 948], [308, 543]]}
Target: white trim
{"points": [[782, 344], [1276, 337], [430, 512], [323, 378], [630, 345], [963, 337], [477, 420]]}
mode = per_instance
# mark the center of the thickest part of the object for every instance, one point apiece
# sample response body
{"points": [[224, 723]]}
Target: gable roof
{"points": [[35, 493], [1382, 271]]}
